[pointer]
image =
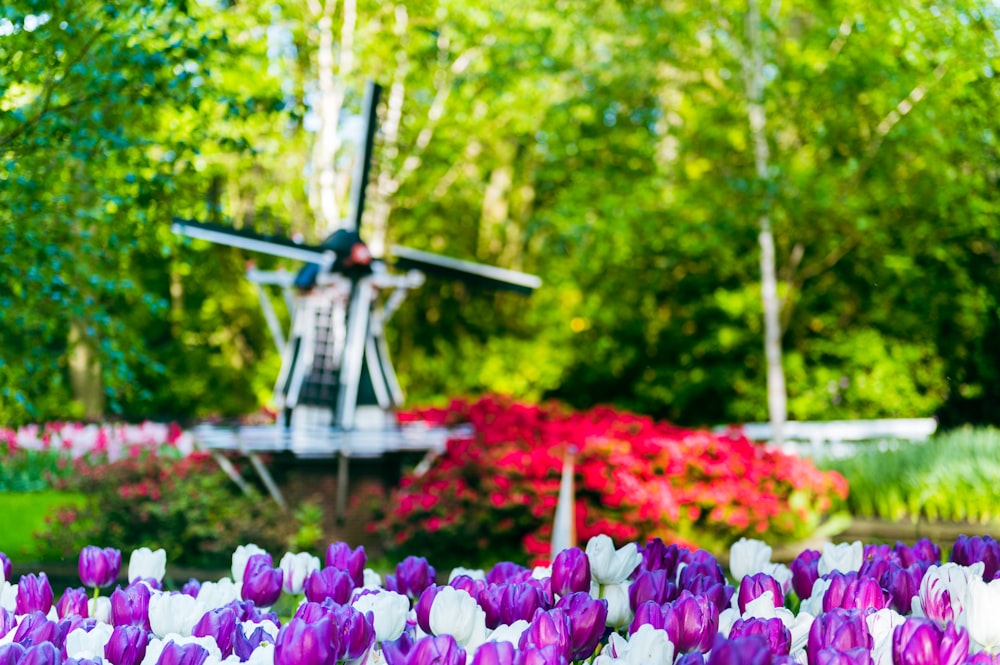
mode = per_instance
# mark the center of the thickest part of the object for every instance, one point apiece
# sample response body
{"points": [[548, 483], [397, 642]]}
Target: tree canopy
{"points": [[601, 145]]}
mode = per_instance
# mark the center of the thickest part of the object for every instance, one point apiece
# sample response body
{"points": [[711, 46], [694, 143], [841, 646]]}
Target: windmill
{"points": [[337, 391]]}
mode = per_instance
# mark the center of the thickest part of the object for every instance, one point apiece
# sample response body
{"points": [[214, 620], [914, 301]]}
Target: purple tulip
{"points": [[11, 654], [490, 599], [219, 624], [919, 641], [468, 584], [261, 581], [508, 572], [587, 619], [904, 584], [697, 621], [99, 567], [397, 651], [548, 627], [839, 629], [547, 655], [6, 566], [878, 552], [855, 656], [7, 621], [698, 574], [311, 611], [182, 654], [495, 653], [755, 586], [570, 572], [84, 661], [779, 638], [354, 632], [301, 643], [341, 556], [35, 629], [34, 594], [851, 591], [130, 606], [969, 550], [655, 585], [245, 645], [247, 611], [413, 575], [749, 650], [440, 650], [878, 570], [127, 645], [519, 601], [44, 653], [656, 615], [805, 572], [191, 587], [73, 601], [983, 658], [692, 658], [924, 551], [658, 556]]}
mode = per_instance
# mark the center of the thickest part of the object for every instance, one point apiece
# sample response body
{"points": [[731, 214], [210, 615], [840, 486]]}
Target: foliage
{"points": [[605, 149], [493, 493], [952, 477], [186, 505], [25, 514]]}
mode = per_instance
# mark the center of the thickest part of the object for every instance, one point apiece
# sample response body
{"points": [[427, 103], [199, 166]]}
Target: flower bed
{"points": [[652, 604], [492, 494]]}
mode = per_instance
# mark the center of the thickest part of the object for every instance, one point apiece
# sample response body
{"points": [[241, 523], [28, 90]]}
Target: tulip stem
{"points": [[97, 594]]}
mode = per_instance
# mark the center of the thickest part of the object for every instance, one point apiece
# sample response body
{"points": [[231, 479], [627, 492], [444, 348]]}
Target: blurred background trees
{"points": [[601, 145]]}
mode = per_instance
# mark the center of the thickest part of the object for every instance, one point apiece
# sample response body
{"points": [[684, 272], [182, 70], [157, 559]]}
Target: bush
{"points": [[952, 476], [492, 494], [186, 505]]}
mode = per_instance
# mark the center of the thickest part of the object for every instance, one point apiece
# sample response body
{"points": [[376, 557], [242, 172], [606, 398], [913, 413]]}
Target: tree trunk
{"points": [[85, 372], [753, 68]]}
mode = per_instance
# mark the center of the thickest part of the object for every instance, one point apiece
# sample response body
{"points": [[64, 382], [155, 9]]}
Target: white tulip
{"points": [[608, 565], [88, 644], [619, 608], [748, 557], [240, 558], [372, 580], [8, 596], [781, 573], [474, 573], [175, 613], [881, 625], [457, 613], [943, 591], [646, 646], [100, 609], [295, 569], [981, 612], [147, 564], [844, 557], [389, 610], [814, 603], [212, 595], [155, 648], [509, 632]]}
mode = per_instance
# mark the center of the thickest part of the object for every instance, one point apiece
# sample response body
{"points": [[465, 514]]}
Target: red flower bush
{"points": [[492, 494]]}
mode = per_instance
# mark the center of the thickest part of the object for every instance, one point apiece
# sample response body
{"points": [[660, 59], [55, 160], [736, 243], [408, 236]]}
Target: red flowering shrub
{"points": [[492, 495]]}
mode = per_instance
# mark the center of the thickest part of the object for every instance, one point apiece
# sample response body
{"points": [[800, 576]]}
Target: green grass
{"points": [[22, 514], [954, 476]]}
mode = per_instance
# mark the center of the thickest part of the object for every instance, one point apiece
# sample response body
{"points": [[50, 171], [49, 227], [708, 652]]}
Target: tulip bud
{"points": [[658, 556], [470, 585], [548, 627], [507, 572], [849, 591], [144, 563], [748, 557], [295, 569], [619, 610], [903, 585], [182, 654], [220, 625], [261, 582], [519, 601], [608, 565], [388, 609], [779, 638], [570, 572], [413, 575], [301, 643], [331, 583], [340, 555], [130, 606], [969, 550], [495, 653], [34, 594], [11, 653], [44, 653], [755, 586], [440, 650], [456, 613], [73, 601], [587, 619], [805, 572], [920, 641], [654, 585], [842, 557], [422, 608], [697, 621], [127, 645], [99, 567], [35, 629], [749, 650], [840, 629], [173, 613], [649, 646]]}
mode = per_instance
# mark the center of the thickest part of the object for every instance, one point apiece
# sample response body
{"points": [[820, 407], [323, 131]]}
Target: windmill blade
{"points": [[256, 242], [478, 274]]}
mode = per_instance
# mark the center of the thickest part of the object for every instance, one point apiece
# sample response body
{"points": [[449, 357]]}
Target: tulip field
{"points": [[645, 603]]}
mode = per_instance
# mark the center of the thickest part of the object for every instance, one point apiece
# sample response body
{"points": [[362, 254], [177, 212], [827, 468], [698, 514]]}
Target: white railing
{"points": [[839, 438]]}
